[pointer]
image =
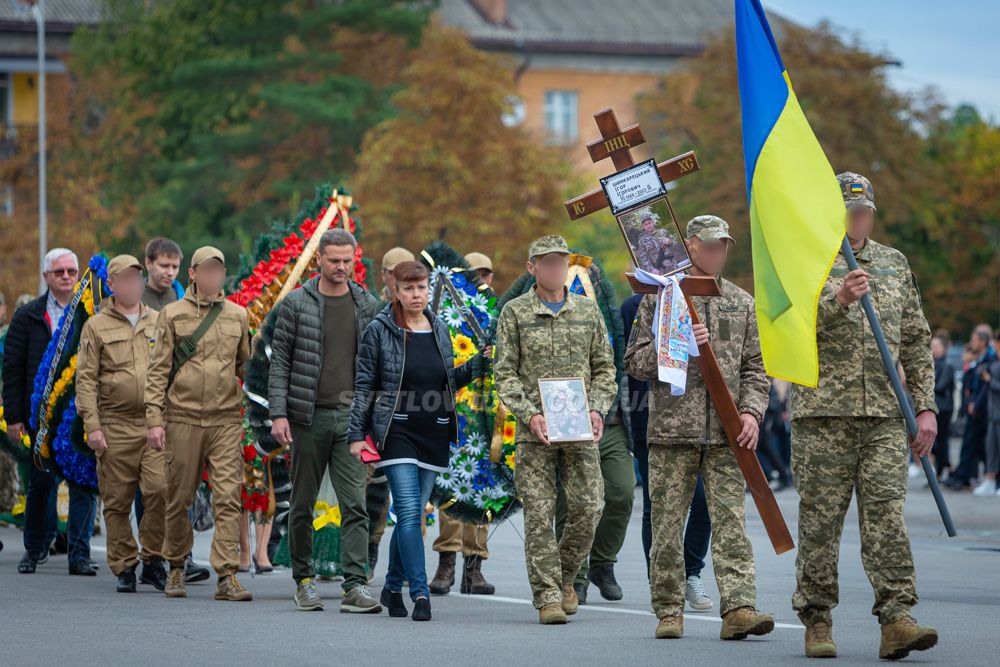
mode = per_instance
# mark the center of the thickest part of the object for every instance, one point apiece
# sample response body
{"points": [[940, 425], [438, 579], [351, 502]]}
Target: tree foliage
{"points": [[932, 169]]}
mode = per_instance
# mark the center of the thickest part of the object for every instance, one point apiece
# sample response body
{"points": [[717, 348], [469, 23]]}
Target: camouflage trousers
{"points": [[577, 468], [619, 494], [833, 458], [673, 474]]}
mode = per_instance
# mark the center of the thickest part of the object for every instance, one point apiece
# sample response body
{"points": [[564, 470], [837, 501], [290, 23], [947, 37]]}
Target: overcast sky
{"points": [[953, 46]]}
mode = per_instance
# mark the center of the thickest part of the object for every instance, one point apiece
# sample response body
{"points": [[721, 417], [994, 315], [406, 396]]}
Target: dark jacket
{"points": [[379, 373], [297, 349], [27, 338], [638, 390], [944, 385], [994, 392]]}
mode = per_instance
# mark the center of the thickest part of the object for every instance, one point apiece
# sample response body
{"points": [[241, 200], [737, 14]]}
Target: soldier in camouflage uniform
{"points": [[685, 436], [552, 333], [848, 436]]}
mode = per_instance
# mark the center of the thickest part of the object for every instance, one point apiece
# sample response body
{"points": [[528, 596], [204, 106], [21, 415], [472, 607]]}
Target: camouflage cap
{"points": [[122, 262], [708, 228], [207, 252], [857, 190], [394, 256], [548, 244]]}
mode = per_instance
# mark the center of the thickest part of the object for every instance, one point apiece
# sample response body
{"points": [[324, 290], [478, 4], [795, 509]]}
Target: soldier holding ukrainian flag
{"points": [[848, 432]]}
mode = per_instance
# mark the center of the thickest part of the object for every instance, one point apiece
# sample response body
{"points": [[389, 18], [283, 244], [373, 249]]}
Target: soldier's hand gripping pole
{"points": [[897, 386]]}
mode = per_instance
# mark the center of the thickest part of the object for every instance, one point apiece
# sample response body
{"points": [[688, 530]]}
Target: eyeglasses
{"points": [[64, 272]]}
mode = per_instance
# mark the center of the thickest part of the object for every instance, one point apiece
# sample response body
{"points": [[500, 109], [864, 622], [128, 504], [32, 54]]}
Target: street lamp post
{"points": [[38, 11]]}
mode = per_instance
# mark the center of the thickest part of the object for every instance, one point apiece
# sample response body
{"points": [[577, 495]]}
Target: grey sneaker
{"points": [[307, 596], [696, 596], [359, 600]]}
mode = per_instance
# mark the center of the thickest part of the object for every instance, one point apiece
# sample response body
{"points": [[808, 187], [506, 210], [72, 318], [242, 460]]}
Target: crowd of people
{"points": [[363, 389]]}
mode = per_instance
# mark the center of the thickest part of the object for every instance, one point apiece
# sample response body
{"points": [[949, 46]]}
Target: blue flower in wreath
{"points": [[75, 467]]}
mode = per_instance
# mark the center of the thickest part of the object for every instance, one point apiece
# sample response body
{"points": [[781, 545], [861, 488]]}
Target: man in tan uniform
{"points": [[110, 374], [193, 412]]}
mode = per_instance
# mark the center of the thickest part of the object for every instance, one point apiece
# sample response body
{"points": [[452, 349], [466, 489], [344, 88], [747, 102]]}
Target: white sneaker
{"points": [[987, 488], [915, 471], [696, 596]]}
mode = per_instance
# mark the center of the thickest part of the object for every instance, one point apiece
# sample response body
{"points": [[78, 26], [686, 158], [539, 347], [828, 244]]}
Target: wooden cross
{"points": [[617, 144]]}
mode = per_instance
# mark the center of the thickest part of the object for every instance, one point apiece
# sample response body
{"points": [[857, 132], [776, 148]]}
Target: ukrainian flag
{"points": [[796, 207]]}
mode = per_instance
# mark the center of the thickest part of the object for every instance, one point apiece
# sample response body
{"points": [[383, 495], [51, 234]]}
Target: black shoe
{"points": [[60, 545], [126, 580], [372, 555], [154, 574], [422, 609], [602, 575], [194, 572], [581, 591], [81, 567], [27, 564], [394, 603]]}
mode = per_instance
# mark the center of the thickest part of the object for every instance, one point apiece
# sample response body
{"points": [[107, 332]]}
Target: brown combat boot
{"points": [[819, 640], [175, 583], [570, 603], [552, 614], [670, 626], [744, 621], [903, 636], [444, 578], [231, 589], [473, 581]]}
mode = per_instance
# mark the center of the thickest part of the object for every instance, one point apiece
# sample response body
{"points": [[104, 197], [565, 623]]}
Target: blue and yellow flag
{"points": [[796, 207]]}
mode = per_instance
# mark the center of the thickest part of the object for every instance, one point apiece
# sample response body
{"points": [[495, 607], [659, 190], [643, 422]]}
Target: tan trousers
{"points": [[456, 535], [125, 464], [189, 450]]}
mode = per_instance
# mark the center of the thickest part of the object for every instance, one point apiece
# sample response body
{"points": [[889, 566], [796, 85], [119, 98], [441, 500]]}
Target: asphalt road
{"points": [[50, 618]]}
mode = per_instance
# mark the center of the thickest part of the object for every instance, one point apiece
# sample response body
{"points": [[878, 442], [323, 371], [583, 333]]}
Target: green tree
{"points": [[447, 168], [930, 175], [234, 109]]}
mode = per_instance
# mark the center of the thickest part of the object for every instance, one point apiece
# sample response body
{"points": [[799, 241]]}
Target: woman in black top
{"points": [[405, 383]]}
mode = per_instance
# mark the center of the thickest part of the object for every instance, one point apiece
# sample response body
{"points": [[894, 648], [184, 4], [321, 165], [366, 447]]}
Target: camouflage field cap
{"points": [[857, 190], [548, 244], [708, 228]]}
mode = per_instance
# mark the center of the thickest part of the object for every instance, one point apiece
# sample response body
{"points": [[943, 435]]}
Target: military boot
{"points": [[552, 614], [670, 626], [444, 578], [473, 581], [175, 583], [570, 603], [819, 640], [903, 636], [602, 575], [744, 621]]}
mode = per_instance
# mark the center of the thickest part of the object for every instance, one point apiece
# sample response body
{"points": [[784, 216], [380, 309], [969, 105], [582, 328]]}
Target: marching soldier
{"points": [[552, 333], [848, 436], [193, 412], [686, 437], [110, 375]]}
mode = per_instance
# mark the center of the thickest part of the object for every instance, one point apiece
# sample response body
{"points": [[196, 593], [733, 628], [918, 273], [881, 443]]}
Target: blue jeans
{"points": [[39, 525], [411, 488]]}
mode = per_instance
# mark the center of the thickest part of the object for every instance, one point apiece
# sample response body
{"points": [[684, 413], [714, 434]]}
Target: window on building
{"points": [[561, 115], [5, 100]]}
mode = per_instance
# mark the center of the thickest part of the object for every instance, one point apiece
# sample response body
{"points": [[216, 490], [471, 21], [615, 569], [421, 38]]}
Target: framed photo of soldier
{"points": [[654, 240], [565, 408]]}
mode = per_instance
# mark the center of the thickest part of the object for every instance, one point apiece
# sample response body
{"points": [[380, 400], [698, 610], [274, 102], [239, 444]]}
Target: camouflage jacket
{"points": [[732, 324], [852, 379], [534, 343]]}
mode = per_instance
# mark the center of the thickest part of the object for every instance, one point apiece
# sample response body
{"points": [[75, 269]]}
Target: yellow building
{"points": [[574, 58]]}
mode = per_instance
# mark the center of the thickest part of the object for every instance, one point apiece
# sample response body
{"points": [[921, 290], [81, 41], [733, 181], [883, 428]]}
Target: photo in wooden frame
{"points": [[654, 238]]}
